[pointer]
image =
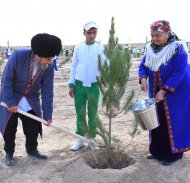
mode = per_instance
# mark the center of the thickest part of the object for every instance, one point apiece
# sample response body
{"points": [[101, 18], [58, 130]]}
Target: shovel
{"points": [[89, 142]]}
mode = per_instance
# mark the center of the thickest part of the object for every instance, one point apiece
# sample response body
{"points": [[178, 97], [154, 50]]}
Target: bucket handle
{"points": [[132, 102]]}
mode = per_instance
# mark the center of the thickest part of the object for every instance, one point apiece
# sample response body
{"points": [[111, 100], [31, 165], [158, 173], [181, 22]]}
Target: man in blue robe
{"points": [[8, 53], [55, 62], [28, 74]]}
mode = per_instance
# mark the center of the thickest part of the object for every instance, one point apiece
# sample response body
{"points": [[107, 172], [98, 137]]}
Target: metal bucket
{"points": [[145, 113]]}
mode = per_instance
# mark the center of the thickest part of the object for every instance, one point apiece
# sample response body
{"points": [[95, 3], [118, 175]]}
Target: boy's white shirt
{"points": [[85, 63]]}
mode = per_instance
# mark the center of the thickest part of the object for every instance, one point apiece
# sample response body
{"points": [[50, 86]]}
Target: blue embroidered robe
{"points": [[174, 77], [15, 83]]}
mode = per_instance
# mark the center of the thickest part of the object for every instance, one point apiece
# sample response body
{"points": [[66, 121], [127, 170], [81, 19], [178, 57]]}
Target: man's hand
{"points": [[144, 85], [160, 96], [12, 109], [71, 92], [49, 121]]}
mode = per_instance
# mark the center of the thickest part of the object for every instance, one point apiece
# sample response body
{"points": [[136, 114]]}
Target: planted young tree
{"points": [[113, 84]]}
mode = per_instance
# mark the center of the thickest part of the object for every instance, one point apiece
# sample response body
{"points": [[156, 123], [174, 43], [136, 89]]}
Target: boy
{"points": [[83, 85]]}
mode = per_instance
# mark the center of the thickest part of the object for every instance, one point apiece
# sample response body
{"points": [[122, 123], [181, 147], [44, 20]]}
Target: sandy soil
{"points": [[64, 166]]}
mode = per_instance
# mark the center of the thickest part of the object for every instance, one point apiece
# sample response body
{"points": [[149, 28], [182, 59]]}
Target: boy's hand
{"points": [[71, 92]]}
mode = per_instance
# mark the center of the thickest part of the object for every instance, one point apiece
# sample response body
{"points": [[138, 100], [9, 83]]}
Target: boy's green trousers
{"points": [[86, 97]]}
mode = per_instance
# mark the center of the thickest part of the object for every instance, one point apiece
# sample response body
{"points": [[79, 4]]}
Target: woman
{"points": [[165, 66]]}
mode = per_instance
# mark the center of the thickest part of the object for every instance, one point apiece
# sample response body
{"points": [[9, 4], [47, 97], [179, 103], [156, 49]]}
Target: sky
{"points": [[22, 19]]}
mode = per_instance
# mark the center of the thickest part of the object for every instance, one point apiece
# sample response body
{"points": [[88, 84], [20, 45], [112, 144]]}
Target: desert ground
{"points": [[65, 166]]}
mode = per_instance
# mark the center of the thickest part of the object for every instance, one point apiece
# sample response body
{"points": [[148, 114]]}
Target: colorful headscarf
{"points": [[160, 26]]}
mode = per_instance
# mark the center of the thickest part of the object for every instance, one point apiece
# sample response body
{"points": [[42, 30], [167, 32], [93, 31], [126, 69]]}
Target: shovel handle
{"points": [[51, 125]]}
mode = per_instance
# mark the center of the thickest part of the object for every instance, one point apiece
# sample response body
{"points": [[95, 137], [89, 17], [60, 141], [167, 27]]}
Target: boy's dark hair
{"points": [[46, 45]]}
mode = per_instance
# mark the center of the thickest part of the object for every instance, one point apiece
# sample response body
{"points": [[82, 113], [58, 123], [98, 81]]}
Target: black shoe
{"points": [[9, 159], [167, 163], [37, 155], [150, 157]]}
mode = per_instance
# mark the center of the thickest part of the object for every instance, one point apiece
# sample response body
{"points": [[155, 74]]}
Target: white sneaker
{"points": [[78, 145]]}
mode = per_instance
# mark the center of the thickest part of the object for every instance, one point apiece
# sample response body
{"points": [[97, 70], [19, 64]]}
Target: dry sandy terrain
{"points": [[64, 166]]}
